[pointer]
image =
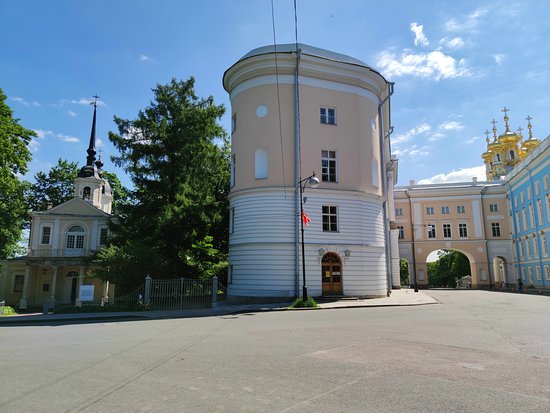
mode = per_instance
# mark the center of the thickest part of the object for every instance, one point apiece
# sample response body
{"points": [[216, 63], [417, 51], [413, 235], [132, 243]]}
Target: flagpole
{"points": [[313, 182]]}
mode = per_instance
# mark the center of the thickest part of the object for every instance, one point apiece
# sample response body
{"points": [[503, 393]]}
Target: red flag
{"points": [[305, 219]]}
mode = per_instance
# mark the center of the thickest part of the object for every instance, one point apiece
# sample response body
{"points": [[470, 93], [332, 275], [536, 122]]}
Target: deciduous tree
{"points": [[14, 157]]}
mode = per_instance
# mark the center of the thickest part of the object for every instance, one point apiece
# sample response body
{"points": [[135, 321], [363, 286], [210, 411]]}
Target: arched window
{"points": [[498, 157], [261, 164], [86, 193], [75, 237], [512, 155]]}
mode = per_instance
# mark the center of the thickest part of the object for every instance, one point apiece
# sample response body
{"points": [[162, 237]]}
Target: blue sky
{"points": [[455, 65]]}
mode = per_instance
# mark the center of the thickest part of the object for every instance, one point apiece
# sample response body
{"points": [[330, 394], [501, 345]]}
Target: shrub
{"points": [[300, 303]]}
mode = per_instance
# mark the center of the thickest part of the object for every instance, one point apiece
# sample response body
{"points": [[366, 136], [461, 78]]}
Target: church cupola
{"points": [[90, 184]]}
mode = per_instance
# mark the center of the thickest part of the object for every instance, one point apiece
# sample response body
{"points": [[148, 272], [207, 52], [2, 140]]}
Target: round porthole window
{"points": [[261, 111]]}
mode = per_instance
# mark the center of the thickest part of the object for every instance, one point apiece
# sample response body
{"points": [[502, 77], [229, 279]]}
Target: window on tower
{"points": [[328, 116], [328, 166]]}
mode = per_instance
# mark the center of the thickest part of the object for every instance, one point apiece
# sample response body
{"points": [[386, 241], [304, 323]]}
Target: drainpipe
{"points": [[413, 246], [298, 174], [382, 139]]}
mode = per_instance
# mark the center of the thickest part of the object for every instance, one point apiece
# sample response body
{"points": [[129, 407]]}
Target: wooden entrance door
{"points": [[331, 274]]}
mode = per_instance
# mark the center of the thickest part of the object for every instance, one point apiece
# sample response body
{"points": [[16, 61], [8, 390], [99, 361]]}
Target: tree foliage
{"points": [[450, 266], [404, 271], [14, 157], [54, 187], [176, 224]]}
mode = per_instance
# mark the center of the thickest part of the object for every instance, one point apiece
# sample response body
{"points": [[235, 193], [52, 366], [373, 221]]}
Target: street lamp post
{"points": [[313, 182]]}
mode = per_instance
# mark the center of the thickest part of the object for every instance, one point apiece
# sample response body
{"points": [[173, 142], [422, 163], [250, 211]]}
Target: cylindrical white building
{"points": [[340, 132]]}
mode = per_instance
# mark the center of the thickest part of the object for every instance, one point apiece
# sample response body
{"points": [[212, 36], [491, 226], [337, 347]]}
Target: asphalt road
{"points": [[475, 352]]}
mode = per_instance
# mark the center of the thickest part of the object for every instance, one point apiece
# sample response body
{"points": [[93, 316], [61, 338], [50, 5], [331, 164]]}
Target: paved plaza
{"points": [[474, 351]]}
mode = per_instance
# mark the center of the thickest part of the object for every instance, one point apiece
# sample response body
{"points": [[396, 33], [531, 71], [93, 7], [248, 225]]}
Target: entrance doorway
{"points": [[331, 274]]}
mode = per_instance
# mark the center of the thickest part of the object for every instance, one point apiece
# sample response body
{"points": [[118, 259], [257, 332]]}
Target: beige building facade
{"points": [[296, 112], [470, 217]]}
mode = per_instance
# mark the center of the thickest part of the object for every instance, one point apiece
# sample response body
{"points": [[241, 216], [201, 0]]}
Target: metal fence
{"points": [[181, 293]]}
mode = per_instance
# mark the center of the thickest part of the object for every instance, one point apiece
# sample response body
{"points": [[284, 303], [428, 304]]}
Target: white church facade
{"points": [[62, 239], [299, 110]]}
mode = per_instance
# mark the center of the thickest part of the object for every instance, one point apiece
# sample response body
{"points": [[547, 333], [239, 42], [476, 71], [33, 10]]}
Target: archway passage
{"points": [[451, 269], [499, 270], [331, 274]]}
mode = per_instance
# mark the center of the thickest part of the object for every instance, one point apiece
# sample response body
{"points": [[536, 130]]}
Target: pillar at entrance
{"points": [[53, 286], [23, 303], [80, 281]]}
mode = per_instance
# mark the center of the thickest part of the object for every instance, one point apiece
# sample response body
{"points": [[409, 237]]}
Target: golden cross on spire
{"points": [[520, 129], [95, 100], [487, 133], [529, 126], [506, 118], [494, 122]]}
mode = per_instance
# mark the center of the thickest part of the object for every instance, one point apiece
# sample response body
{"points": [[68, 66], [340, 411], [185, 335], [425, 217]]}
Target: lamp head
{"points": [[313, 181]]}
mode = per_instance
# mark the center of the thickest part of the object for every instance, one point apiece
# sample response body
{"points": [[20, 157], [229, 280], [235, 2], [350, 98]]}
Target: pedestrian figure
{"points": [[520, 285]]}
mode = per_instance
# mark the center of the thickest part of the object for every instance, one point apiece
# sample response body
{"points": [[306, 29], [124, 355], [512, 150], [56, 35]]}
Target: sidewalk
{"points": [[404, 297]]}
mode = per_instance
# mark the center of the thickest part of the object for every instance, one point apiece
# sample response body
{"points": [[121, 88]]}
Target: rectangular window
{"points": [[18, 283], [447, 230], [445, 210], [522, 197], [230, 275], [460, 209], [70, 241], [232, 220], [431, 231], [546, 182], [401, 232], [328, 116], [493, 207], [46, 231], [462, 230], [45, 288], [537, 188], [330, 218], [547, 272], [398, 212], [535, 246], [544, 243], [532, 215], [538, 273], [103, 234], [233, 123], [328, 166], [430, 210], [80, 241], [496, 229], [529, 193]]}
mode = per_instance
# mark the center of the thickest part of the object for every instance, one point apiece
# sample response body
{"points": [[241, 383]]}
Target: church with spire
{"points": [[508, 149], [57, 268]]}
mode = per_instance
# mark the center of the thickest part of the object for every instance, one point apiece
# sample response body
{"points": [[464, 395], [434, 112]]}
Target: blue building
{"points": [[529, 197]]}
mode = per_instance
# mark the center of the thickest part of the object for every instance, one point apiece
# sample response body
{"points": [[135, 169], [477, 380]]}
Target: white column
{"points": [[105, 293], [80, 280], [53, 285], [25, 298], [394, 242]]}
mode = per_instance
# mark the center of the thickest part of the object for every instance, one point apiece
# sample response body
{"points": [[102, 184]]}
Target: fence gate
{"points": [[179, 293]]}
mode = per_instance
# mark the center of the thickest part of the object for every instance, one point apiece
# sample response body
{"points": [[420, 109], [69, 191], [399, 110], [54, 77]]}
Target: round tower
{"points": [[296, 110]]}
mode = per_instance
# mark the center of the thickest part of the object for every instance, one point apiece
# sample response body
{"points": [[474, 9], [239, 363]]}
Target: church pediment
{"points": [[75, 206]]}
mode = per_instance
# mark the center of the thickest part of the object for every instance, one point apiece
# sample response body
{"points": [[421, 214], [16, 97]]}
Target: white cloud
{"points": [[404, 137], [436, 136], [85, 101], [454, 43], [71, 113], [419, 36], [43, 133], [25, 102], [414, 150], [472, 140], [451, 125], [434, 65], [499, 58], [144, 58], [469, 23], [33, 145], [461, 175], [67, 138], [99, 143]]}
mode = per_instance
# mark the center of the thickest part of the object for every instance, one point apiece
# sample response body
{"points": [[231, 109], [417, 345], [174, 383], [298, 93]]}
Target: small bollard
{"points": [[46, 307]]}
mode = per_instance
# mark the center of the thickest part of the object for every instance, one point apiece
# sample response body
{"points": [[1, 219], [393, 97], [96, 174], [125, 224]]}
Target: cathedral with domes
{"points": [[508, 149]]}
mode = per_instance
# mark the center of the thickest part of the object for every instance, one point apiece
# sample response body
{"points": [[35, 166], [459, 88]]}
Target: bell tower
{"points": [[90, 184]]}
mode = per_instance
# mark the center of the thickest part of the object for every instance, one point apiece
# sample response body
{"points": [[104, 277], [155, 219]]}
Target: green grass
{"points": [[9, 310], [300, 303]]}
